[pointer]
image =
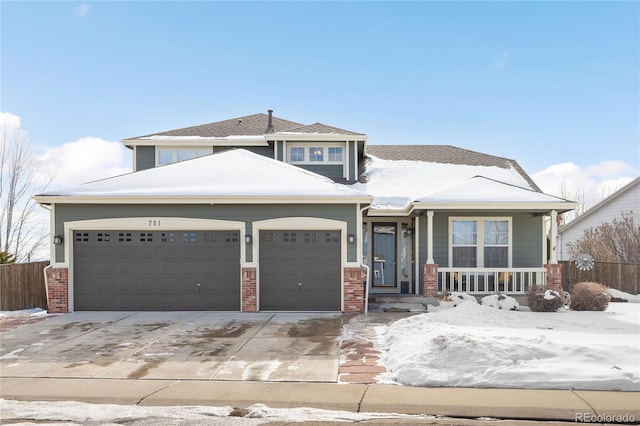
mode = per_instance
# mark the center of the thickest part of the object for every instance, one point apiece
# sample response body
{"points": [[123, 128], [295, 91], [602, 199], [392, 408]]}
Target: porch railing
{"points": [[490, 280]]}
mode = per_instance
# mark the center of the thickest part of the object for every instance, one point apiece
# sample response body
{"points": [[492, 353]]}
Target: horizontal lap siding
{"points": [[526, 239]]}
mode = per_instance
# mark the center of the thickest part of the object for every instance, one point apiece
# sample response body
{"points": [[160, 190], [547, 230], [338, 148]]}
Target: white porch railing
{"points": [[490, 280]]}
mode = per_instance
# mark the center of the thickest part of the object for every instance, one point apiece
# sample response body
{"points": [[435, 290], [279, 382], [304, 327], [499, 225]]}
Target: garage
{"points": [[156, 270], [300, 270]]}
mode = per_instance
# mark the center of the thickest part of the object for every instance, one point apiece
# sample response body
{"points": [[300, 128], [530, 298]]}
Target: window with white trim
{"points": [[480, 242], [316, 154], [296, 154], [335, 154], [171, 155]]}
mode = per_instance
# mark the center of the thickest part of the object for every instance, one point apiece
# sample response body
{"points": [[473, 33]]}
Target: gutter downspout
{"points": [[368, 283]]}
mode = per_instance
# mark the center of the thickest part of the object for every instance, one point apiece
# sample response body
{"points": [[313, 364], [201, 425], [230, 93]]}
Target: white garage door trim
{"points": [[143, 224]]}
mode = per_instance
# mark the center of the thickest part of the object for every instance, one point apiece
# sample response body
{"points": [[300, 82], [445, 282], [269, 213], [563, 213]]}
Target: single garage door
{"points": [[156, 271], [300, 271]]}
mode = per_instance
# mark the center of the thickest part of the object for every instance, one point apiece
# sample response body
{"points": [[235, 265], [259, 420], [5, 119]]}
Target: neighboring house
{"points": [[263, 214], [626, 199]]}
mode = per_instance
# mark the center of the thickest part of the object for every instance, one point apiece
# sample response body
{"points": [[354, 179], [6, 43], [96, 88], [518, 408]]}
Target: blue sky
{"points": [[554, 85]]}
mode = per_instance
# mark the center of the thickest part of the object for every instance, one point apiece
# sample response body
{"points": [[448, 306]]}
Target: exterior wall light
{"points": [[351, 238], [57, 240], [248, 239], [409, 231]]}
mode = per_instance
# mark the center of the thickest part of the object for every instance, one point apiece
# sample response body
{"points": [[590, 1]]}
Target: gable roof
{"points": [[250, 125], [407, 185], [480, 189], [242, 131], [233, 176], [446, 154], [602, 204]]}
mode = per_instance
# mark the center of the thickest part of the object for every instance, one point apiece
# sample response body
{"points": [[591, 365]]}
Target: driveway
{"points": [[176, 345]]}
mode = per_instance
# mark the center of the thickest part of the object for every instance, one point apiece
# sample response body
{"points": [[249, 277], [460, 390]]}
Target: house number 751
{"points": [[154, 223]]}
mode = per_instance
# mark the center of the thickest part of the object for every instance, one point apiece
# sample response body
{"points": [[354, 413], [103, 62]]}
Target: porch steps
{"points": [[400, 303]]}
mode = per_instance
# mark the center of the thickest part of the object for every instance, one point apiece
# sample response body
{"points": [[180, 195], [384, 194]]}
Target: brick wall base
{"points": [[354, 292], [57, 282], [430, 278], [554, 277], [249, 295]]}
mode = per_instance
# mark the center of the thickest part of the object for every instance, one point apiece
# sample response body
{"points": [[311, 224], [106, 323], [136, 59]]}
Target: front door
{"points": [[384, 254], [387, 247]]}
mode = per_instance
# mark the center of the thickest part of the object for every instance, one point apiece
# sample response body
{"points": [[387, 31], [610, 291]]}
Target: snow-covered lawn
{"points": [[473, 345]]}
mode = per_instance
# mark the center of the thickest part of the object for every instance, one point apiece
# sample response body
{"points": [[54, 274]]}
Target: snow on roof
{"points": [[232, 173], [395, 184], [480, 189]]}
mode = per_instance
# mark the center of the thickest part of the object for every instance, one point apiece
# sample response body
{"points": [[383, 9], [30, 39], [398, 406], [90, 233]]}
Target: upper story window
{"points": [[335, 153], [316, 154], [296, 154], [480, 243], [173, 155]]}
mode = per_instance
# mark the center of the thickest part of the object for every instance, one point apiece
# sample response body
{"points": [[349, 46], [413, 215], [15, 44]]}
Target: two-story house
{"points": [[258, 213]]}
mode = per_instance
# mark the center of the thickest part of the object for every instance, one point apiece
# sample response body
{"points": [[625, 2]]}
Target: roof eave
{"points": [[561, 207], [249, 140], [318, 137], [204, 199]]}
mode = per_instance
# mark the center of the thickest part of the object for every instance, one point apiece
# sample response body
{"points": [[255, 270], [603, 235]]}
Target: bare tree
{"points": [[616, 241], [577, 196], [19, 235]]}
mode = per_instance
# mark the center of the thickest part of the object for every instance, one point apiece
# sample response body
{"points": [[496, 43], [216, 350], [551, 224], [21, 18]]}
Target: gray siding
{"points": [[526, 238], [332, 171], [145, 157], [247, 213], [351, 168]]}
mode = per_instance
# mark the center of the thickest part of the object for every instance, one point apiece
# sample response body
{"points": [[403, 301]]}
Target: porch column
{"points": [[430, 277], [430, 237], [553, 259]]}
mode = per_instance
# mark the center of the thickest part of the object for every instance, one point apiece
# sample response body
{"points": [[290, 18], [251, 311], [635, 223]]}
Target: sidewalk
{"points": [[558, 405]]}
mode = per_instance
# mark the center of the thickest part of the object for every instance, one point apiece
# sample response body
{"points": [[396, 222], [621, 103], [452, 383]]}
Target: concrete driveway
{"points": [[176, 345]]}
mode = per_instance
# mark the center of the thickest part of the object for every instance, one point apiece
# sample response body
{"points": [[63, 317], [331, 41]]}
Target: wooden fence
{"points": [[621, 276], [22, 286]]}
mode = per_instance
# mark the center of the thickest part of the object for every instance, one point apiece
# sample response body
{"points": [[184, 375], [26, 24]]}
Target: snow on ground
{"points": [[81, 413], [473, 345], [632, 298], [35, 312]]}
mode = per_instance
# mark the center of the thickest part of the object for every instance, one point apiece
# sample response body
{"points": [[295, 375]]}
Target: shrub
{"points": [[590, 296], [544, 300]]}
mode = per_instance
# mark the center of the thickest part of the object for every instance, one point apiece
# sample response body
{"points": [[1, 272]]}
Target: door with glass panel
{"points": [[384, 250]]}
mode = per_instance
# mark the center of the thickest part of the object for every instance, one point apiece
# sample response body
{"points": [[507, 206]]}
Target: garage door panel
{"points": [[156, 270], [310, 258]]}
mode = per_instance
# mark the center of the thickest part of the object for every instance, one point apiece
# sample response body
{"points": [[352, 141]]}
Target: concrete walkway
{"points": [[558, 405]]}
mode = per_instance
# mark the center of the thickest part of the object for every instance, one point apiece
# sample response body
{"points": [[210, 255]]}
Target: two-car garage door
{"points": [[156, 271], [200, 270]]}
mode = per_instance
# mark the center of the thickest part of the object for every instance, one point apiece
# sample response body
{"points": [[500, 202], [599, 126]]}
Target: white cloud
{"points": [[85, 160], [9, 120], [590, 184], [500, 60], [82, 10]]}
